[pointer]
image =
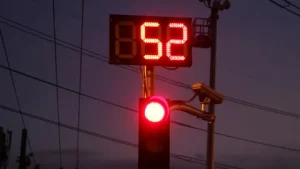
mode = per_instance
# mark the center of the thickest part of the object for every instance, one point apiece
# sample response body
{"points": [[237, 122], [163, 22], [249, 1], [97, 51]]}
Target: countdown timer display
{"points": [[150, 40]]}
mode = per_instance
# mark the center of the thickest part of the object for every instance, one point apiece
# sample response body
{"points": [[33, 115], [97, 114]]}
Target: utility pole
{"points": [[212, 82], [215, 7], [22, 158]]}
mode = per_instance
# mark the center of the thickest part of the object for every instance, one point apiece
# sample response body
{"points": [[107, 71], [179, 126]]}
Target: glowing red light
{"points": [[151, 40], [154, 112], [177, 41]]}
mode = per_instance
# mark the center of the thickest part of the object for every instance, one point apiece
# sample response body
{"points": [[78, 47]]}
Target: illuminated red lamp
{"points": [[156, 109]]}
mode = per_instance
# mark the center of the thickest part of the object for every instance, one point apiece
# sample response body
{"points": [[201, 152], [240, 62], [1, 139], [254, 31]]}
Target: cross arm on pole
{"points": [[181, 105]]}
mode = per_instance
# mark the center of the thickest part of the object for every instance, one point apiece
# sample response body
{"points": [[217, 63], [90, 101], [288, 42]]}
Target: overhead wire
{"points": [[260, 107], [293, 5], [16, 94], [102, 58], [238, 138], [179, 84], [81, 49], [169, 81], [285, 7], [56, 82], [115, 140], [65, 88], [203, 162], [135, 111], [80, 82]]}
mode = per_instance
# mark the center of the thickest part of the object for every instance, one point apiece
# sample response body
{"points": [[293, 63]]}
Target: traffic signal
{"points": [[150, 40], [154, 133]]}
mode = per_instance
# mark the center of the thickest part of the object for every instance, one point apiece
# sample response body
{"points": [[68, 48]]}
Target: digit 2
{"points": [[168, 44]]}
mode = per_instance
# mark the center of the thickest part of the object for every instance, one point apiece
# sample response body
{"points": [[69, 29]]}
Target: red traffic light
{"points": [[154, 133], [154, 112], [156, 109]]}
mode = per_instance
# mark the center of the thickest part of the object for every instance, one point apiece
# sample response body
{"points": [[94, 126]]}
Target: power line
{"points": [[65, 43], [80, 76], [56, 82], [115, 140], [67, 89], [197, 161], [102, 58], [285, 7], [260, 107], [238, 138], [167, 80], [203, 162], [135, 111], [251, 105], [291, 4], [16, 94]]}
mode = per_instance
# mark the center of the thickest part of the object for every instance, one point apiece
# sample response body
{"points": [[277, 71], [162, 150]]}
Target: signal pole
{"points": [[148, 81]]}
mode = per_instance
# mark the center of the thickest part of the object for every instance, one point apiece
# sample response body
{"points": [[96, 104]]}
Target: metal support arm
{"points": [[180, 105]]}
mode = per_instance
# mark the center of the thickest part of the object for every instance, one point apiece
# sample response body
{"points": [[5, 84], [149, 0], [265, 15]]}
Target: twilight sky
{"points": [[258, 46]]}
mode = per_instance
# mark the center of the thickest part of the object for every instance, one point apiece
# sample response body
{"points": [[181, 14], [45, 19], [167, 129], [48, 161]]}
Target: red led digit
{"points": [[177, 41], [151, 40]]}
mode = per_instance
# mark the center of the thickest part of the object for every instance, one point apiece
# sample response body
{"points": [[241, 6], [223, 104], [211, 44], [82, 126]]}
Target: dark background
{"points": [[258, 50]]}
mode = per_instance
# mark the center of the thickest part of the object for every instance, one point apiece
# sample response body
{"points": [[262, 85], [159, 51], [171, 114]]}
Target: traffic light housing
{"points": [[154, 133]]}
